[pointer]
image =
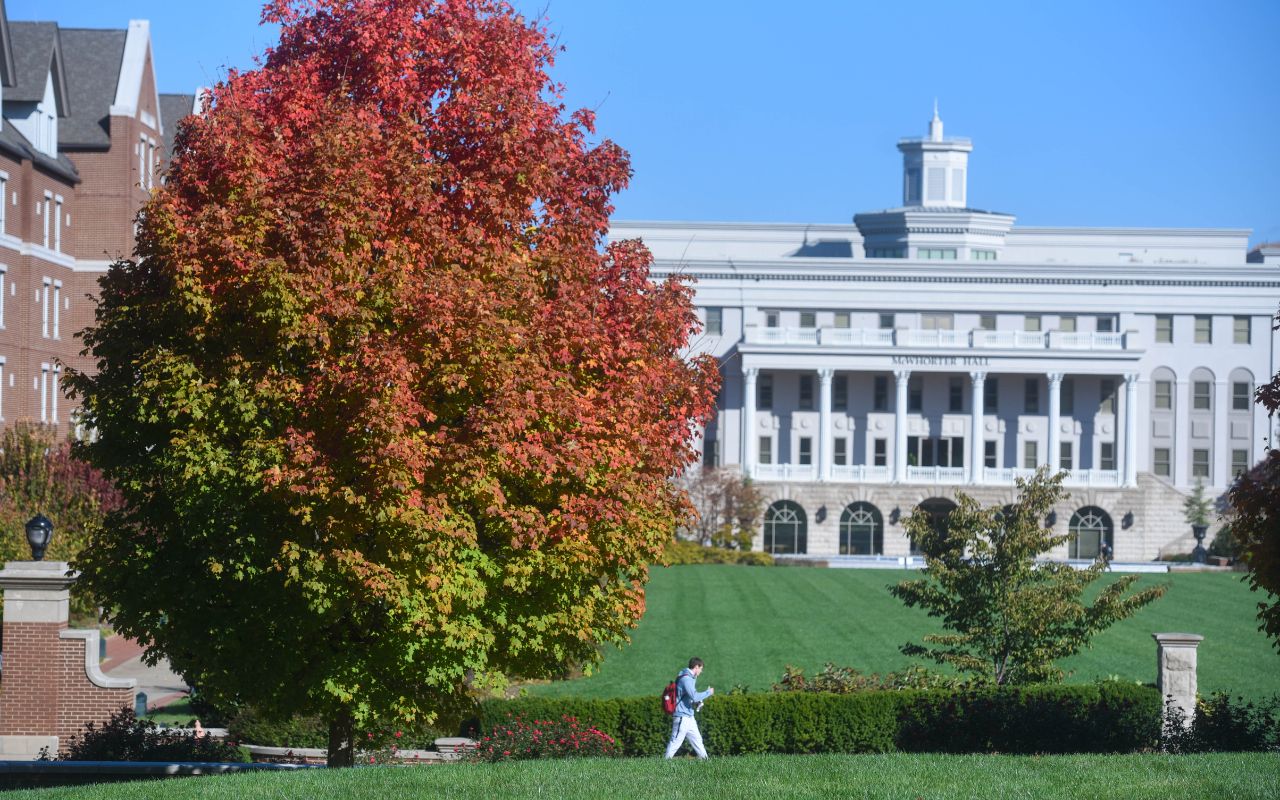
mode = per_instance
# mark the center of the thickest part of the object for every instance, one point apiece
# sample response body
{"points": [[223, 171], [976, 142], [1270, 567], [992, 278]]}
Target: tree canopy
{"points": [[389, 418], [1010, 616]]}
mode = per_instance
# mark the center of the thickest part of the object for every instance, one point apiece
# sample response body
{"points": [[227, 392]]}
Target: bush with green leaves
{"points": [[1098, 718], [844, 680], [251, 727], [681, 552], [563, 737], [1224, 724], [124, 737]]}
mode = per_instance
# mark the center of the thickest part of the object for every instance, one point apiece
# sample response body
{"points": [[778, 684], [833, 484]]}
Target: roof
{"points": [[93, 68], [16, 145], [36, 50], [173, 107], [8, 69]]}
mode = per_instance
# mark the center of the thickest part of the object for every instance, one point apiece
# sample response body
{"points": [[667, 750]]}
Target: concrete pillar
{"points": [[1176, 671], [1055, 424], [824, 424], [749, 420], [901, 376], [1131, 429], [977, 409]]}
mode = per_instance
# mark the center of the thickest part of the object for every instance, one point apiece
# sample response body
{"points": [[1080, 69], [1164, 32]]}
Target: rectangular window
{"points": [[1065, 452], [806, 392], [841, 451], [1204, 329], [1241, 391], [888, 252], [1163, 396], [880, 393], [1067, 399], [710, 450], [1239, 462], [987, 322], [1161, 463], [989, 454], [1106, 324], [936, 253], [4, 198], [1031, 396], [4, 279], [1, 388], [915, 394], [766, 450], [1200, 463], [933, 321], [955, 394], [1031, 323], [886, 322], [806, 451], [1164, 329], [44, 308], [715, 321], [991, 396], [1107, 456], [43, 210], [983, 255], [1106, 396], [1240, 330], [764, 391], [1030, 455], [57, 309], [842, 319], [808, 319], [880, 454], [1067, 324], [840, 393], [1202, 395], [771, 319], [44, 392], [57, 223]]}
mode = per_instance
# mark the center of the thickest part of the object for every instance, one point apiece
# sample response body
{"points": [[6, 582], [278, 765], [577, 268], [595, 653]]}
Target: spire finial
{"points": [[935, 124]]}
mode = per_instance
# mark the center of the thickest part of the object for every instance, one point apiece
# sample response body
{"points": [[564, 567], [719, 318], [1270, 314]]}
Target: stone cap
{"points": [[37, 575], [1185, 639]]}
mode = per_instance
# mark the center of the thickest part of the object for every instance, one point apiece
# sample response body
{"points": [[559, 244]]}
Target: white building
{"points": [[933, 347]]}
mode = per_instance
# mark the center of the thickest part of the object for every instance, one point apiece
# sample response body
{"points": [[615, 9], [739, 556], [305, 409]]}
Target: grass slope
{"points": [[748, 623], [935, 777]]}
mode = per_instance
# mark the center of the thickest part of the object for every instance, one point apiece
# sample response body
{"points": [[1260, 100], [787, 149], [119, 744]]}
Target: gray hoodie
{"points": [[688, 698]]}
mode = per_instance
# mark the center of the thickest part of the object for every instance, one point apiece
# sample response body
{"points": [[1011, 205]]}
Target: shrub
{"points": [[519, 738], [681, 552], [251, 727], [1103, 718], [126, 738], [1224, 724], [844, 680]]}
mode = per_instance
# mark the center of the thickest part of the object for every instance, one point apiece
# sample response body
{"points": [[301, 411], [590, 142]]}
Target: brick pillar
{"points": [[1176, 671], [50, 681]]}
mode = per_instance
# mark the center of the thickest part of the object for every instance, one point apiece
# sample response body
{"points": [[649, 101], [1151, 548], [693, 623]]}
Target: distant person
{"points": [[1106, 554], [689, 700]]}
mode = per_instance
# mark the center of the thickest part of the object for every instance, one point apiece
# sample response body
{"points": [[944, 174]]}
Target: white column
{"points": [[1182, 432], [824, 424], [1220, 472], [1055, 425], [749, 420], [976, 452], [1131, 429], [901, 376]]}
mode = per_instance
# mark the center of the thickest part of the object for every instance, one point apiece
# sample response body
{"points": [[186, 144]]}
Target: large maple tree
{"points": [[391, 421]]}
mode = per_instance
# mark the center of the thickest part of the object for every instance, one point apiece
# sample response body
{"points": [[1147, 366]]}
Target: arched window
{"points": [[785, 529], [939, 509], [861, 530], [1090, 527]]}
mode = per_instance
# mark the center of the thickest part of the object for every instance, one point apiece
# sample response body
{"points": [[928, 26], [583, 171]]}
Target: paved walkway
{"points": [[161, 684]]}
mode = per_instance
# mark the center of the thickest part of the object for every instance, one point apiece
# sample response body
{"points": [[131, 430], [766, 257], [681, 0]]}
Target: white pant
{"points": [[685, 728]]}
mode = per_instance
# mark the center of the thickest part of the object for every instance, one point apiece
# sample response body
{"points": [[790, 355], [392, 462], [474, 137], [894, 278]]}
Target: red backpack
{"points": [[670, 697]]}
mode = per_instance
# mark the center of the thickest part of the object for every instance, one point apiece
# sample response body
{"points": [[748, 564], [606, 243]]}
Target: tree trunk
{"points": [[342, 749]]}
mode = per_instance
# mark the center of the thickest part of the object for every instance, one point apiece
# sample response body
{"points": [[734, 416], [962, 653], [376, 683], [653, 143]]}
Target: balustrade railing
{"points": [[918, 337]]}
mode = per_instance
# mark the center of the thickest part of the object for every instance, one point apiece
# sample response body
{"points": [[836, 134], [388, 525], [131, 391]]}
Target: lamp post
{"points": [[39, 532]]}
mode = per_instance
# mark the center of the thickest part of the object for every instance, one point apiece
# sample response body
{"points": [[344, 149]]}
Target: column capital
{"points": [[826, 374], [1054, 377], [902, 374], [1130, 378], [977, 377], [750, 372]]}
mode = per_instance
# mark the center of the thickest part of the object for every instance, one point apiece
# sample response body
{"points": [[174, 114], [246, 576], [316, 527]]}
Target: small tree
{"points": [[1011, 618], [1254, 503], [1196, 507], [728, 507]]}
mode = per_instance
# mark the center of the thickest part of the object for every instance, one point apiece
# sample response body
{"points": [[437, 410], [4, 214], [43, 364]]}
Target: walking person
{"points": [[689, 700]]}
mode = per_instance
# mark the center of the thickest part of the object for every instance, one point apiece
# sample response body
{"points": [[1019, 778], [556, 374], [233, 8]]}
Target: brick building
{"points": [[83, 140]]}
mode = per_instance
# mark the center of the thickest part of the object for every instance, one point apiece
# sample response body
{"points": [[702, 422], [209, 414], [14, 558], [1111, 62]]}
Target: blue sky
{"points": [[1133, 113]]}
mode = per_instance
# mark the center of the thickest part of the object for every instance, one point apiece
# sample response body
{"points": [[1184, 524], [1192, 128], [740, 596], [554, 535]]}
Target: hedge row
{"points": [[1102, 718]]}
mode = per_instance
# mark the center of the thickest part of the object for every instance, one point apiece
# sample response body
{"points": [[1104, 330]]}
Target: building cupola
{"points": [[934, 169]]}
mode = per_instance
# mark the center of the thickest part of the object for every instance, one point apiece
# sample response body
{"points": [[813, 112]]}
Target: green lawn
{"points": [[747, 623], [1240, 776]]}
